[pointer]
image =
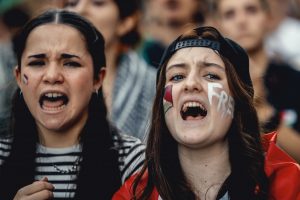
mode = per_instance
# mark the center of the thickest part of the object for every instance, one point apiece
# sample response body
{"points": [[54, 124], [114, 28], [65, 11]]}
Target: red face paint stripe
{"points": [[168, 94]]}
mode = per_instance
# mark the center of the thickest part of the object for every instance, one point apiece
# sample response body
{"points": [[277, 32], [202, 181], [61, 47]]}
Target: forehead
{"points": [[55, 37], [231, 4], [195, 56]]}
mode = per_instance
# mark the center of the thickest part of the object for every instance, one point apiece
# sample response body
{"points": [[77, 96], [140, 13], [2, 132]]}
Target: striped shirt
{"points": [[61, 165]]}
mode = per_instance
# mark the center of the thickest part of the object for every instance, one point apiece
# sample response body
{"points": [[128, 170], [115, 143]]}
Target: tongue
{"points": [[52, 104]]}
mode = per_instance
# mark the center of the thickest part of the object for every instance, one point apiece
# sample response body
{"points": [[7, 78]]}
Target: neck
{"points": [[61, 138], [205, 169], [169, 31], [258, 62]]}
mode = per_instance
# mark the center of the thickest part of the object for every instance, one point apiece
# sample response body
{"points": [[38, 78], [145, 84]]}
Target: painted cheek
{"points": [[25, 79], [168, 99], [225, 103]]}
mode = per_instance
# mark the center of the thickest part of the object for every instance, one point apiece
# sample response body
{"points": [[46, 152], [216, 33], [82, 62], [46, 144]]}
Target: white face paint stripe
{"points": [[211, 91], [225, 102], [222, 100]]}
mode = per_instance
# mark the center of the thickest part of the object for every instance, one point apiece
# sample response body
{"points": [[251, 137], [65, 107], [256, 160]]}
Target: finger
{"points": [[44, 179], [35, 187], [41, 195]]}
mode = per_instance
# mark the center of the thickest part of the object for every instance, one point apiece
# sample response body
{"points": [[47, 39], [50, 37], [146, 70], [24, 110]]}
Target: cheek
{"points": [[220, 100], [168, 98], [25, 79], [83, 82]]}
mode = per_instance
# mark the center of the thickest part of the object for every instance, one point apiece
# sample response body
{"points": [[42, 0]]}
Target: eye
{"points": [[229, 14], [251, 9], [36, 63], [71, 3], [177, 78], [72, 64], [99, 2], [211, 76]]}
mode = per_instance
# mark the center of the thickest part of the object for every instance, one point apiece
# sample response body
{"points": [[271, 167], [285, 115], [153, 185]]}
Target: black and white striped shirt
{"points": [[60, 165]]}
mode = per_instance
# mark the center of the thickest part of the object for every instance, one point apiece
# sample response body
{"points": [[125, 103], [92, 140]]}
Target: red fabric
{"points": [[282, 170], [125, 192]]}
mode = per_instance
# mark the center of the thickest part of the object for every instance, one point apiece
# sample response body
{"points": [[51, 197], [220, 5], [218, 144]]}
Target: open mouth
{"points": [[193, 110], [53, 101]]}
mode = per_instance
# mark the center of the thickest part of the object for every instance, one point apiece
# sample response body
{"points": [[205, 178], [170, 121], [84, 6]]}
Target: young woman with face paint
{"points": [[60, 141], [204, 141]]}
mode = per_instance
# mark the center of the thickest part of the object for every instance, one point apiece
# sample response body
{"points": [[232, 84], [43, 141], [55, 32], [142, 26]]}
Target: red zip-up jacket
{"points": [[282, 170]]}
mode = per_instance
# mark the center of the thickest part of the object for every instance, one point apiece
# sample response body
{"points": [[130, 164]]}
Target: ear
{"points": [[17, 74], [127, 24], [98, 82]]}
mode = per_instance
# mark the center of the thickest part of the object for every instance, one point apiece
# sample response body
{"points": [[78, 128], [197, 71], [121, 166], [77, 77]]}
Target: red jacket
{"points": [[282, 170]]}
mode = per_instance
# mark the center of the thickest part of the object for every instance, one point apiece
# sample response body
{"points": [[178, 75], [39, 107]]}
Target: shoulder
{"points": [[5, 147], [282, 170], [131, 153]]}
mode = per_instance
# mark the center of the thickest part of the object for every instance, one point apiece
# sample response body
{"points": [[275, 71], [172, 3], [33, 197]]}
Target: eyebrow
{"points": [[63, 55], [42, 55], [208, 64], [204, 64], [66, 55]]}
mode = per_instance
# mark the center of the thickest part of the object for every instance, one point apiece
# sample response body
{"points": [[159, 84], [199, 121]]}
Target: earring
{"points": [[20, 92], [96, 91]]}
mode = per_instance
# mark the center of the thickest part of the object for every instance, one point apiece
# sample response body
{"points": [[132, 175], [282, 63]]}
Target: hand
{"points": [[38, 190]]}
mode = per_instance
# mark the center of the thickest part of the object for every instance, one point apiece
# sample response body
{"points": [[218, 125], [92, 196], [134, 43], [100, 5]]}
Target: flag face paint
{"points": [[25, 79], [225, 102], [168, 99]]}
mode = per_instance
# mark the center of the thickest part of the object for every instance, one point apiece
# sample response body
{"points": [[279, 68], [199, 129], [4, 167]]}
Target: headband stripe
{"points": [[198, 43]]}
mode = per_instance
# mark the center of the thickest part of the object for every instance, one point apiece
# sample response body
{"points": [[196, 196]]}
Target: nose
{"points": [[80, 7], [241, 18], [53, 75], [193, 83]]}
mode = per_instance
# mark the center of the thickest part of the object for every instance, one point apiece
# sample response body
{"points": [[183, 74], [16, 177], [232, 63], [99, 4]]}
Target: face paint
{"points": [[25, 79], [168, 99], [225, 102]]}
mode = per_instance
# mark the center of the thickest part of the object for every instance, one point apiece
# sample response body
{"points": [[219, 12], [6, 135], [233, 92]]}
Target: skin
{"points": [[38, 190], [55, 63], [105, 15], [189, 71], [53, 72], [169, 18], [202, 143], [175, 10], [244, 21]]}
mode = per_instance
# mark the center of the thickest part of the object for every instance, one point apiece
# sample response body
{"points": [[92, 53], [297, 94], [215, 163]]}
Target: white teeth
{"points": [[53, 95], [191, 104]]}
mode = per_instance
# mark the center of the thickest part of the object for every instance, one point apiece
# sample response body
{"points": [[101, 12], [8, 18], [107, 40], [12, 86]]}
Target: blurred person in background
{"points": [[129, 84], [246, 22], [163, 21], [283, 41], [11, 20]]}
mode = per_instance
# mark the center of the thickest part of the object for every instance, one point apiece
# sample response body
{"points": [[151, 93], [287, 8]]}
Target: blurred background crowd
{"points": [[270, 35]]}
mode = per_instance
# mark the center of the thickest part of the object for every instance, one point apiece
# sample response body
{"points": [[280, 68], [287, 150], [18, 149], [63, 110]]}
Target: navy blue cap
{"points": [[229, 49]]}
